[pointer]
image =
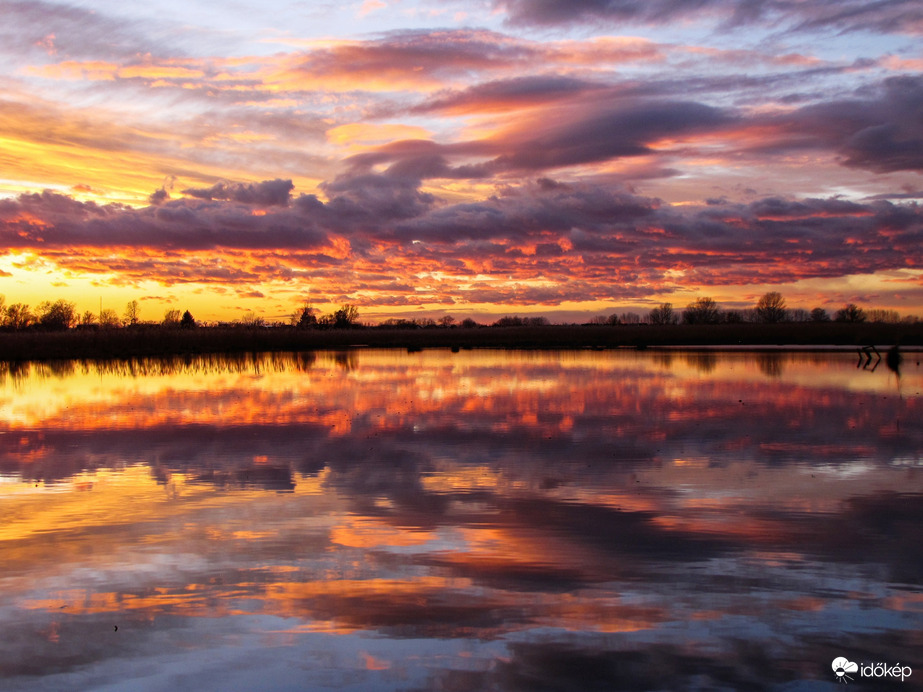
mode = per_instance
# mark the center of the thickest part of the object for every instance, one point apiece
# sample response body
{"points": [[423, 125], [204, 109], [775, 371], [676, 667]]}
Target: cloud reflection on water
{"points": [[620, 519]]}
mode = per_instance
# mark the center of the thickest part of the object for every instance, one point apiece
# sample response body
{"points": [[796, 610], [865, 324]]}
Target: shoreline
{"points": [[153, 341]]}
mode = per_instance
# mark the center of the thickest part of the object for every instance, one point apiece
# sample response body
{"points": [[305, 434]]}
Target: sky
{"points": [[479, 158]]}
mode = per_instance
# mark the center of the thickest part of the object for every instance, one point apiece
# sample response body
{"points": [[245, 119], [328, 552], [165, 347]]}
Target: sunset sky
{"points": [[478, 158]]}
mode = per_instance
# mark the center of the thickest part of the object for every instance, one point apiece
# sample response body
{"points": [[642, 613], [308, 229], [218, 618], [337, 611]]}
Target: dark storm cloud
{"points": [[374, 200], [506, 93], [888, 16], [609, 131], [584, 131], [49, 220], [267, 193], [879, 129], [545, 205]]}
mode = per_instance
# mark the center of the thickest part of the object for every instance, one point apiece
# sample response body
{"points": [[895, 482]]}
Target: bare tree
{"points": [[819, 315], [630, 318], [252, 321], [771, 308], [57, 316], [108, 319], [171, 318], [733, 317], [18, 316], [702, 311], [663, 314], [850, 313], [881, 315], [132, 313], [346, 316], [304, 317]]}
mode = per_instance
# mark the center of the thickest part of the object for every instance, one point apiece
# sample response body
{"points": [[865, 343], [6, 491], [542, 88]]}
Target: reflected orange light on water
{"points": [[468, 497]]}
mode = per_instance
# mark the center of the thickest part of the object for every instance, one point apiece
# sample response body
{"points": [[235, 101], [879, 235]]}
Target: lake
{"points": [[480, 520]]}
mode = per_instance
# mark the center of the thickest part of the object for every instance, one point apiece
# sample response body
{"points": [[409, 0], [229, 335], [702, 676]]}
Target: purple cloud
{"points": [[886, 16], [269, 193]]}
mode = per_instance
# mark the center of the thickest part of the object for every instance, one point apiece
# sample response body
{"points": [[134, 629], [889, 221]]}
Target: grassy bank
{"points": [[157, 341]]}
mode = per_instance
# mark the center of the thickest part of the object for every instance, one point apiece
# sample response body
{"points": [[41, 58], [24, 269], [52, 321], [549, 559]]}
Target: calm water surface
{"points": [[492, 520]]}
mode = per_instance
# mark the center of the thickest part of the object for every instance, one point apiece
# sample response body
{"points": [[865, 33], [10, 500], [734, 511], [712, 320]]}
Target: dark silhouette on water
{"points": [[893, 360], [867, 351]]}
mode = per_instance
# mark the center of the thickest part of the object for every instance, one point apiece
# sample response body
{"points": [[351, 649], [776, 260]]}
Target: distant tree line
{"points": [[61, 315], [771, 308]]}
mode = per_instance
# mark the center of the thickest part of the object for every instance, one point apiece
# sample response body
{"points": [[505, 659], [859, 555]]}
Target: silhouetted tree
{"points": [[886, 316], [57, 316], [663, 314], [733, 317], [304, 317], [399, 323], [850, 313], [88, 318], [252, 321], [771, 308], [509, 321], [702, 311], [187, 322], [819, 315], [171, 318], [307, 318], [629, 318], [346, 316], [132, 313], [469, 323], [446, 321], [108, 318], [18, 316]]}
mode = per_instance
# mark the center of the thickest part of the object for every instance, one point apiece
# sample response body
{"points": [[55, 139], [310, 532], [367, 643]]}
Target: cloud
{"points": [[878, 129], [49, 220], [600, 132], [890, 16], [268, 193], [596, 127], [372, 201], [501, 95], [545, 242], [76, 32], [401, 60]]}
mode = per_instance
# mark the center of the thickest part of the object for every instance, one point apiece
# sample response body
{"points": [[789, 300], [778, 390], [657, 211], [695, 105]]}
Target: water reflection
{"points": [[473, 520]]}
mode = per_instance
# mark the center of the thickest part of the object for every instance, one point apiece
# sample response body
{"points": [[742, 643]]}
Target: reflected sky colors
{"points": [[382, 520]]}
